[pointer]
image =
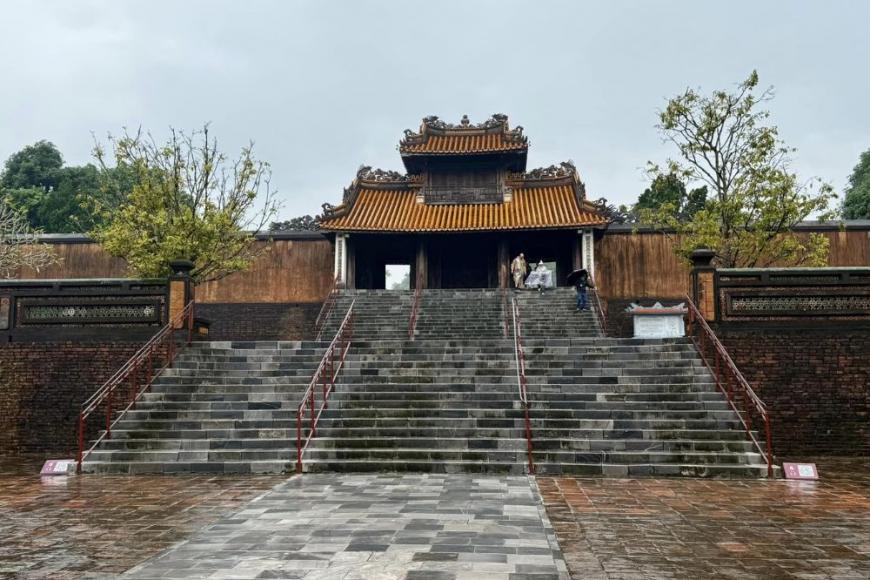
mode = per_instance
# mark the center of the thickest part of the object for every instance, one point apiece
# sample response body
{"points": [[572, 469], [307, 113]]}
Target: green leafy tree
{"points": [[305, 223], [725, 142], [28, 176], [187, 201], [856, 204], [36, 166], [53, 197], [670, 190]]}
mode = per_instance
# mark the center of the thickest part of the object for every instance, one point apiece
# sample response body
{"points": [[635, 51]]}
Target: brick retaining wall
{"points": [[260, 320], [816, 382], [42, 386]]}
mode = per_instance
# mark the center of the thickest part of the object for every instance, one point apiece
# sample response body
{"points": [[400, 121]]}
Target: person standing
{"points": [[581, 285], [518, 270]]}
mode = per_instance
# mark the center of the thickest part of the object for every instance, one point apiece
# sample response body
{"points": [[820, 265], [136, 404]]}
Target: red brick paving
{"points": [[684, 528], [98, 526]]}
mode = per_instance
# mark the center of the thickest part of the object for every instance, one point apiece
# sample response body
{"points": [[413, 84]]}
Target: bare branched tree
{"points": [[19, 243]]}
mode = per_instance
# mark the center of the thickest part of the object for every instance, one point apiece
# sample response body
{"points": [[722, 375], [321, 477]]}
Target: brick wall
{"points": [[259, 321], [815, 382], [42, 386]]}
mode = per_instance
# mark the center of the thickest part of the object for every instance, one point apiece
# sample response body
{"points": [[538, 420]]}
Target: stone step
{"points": [[414, 466], [174, 467], [714, 471], [515, 454]]}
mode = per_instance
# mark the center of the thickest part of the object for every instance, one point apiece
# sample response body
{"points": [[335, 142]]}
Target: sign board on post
{"points": [[800, 471], [58, 467]]}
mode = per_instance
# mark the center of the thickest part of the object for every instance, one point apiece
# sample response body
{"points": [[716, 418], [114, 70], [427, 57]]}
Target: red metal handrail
{"points": [[324, 377], [326, 309], [137, 374], [522, 383], [415, 306], [749, 407], [504, 312], [600, 311]]}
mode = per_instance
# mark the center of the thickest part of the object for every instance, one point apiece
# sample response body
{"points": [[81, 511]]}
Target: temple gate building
{"points": [[466, 206]]}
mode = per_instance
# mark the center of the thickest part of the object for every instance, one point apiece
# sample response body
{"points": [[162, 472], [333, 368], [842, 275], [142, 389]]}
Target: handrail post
{"points": [[190, 325], [299, 439], [311, 403], [519, 357], [81, 437], [109, 413]]}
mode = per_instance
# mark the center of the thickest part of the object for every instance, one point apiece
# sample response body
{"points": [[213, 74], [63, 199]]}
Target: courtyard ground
{"points": [[695, 528], [414, 526]]}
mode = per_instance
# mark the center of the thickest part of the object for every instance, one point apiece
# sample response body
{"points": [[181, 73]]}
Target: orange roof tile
{"points": [[398, 211], [457, 143]]}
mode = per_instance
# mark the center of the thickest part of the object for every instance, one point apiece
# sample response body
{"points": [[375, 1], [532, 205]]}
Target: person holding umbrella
{"points": [[581, 282]]}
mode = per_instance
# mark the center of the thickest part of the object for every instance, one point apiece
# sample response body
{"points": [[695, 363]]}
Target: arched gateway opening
{"points": [[463, 210]]}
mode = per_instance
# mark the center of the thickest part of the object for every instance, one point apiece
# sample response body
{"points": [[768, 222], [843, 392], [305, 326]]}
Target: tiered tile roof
{"points": [[550, 198], [439, 138]]}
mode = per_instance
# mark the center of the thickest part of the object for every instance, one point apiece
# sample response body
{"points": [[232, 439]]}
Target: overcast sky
{"points": [[322, 87]]}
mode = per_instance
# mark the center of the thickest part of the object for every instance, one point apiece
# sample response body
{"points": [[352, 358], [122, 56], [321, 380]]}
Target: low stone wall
{"points": [[815, 382], [259, 320], [42, 386]]}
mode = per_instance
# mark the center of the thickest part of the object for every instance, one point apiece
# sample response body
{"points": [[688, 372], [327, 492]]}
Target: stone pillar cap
{"points": [[181, 267], [702, 257]]}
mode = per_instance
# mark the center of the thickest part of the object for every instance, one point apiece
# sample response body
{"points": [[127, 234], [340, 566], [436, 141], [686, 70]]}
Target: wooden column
{"points": [[340, 270], [350, 250], [577, 252], [504, 261], [422, 262]]}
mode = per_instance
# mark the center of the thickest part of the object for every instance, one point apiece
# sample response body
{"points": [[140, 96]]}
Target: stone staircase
{"points": [[434, 405], [223, 408], [446, 401], [380, 314], [630, 407], [553, 314]]}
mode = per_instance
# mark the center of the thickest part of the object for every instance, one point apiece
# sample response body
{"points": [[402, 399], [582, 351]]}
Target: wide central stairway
{"points": [[445, 401]]}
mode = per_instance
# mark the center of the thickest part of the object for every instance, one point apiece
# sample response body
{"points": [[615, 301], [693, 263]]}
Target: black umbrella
{"points": [[576, 274]]}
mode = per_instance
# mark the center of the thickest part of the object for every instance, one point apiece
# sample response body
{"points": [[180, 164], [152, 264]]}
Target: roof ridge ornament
{"points": [[366, 173], [495, 121], [564, 169]]}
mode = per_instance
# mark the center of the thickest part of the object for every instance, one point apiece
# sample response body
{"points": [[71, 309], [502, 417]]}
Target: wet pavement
{"points": [[684, 528], [366, 527], [376, 526], [98, 526]]}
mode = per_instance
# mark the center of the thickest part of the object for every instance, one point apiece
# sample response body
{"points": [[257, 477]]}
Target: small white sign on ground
{"points": [[58, 467]]}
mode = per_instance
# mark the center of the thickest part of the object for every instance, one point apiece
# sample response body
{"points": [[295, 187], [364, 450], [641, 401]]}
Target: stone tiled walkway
{"points": [[97, 527], [414, 527], [683, 528]]}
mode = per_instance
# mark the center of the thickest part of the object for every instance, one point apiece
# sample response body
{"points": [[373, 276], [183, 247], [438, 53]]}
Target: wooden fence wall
{"points": [[288, 270], [643, 265], [299, 269]]}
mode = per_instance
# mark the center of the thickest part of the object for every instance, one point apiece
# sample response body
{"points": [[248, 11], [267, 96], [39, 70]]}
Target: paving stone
{"points": [[689, 528], [315, 509]]}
